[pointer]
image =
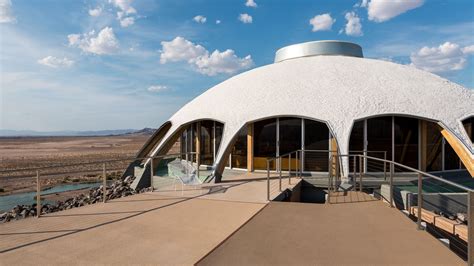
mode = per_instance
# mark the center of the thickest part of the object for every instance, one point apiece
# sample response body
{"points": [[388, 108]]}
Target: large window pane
{"points": [[316, 138], [239, 151], [207, 145], [434, 147], [379, 138], [451, 159], [406, 141], [356, 143], [469, 127], [264, 142], [290, 138]]}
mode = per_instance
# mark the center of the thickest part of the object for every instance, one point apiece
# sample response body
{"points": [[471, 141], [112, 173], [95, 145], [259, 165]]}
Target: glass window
{"points": [[264, 142], [219, 130], [406, 141], [239, 150], [356, 143], [207, 144], [451, 159], [434, 148], [290, 138], [316, 137], [469, 127], [379, 138]]}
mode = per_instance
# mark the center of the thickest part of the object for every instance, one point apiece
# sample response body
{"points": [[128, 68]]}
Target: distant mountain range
{"points": [[115, 132]]}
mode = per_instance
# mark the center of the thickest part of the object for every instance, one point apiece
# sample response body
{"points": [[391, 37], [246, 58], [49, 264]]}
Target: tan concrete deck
{"points": [[364, 232], [141, 229]]}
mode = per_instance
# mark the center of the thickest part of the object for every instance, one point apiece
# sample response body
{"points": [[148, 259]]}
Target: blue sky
{"points": [[110, 64]]}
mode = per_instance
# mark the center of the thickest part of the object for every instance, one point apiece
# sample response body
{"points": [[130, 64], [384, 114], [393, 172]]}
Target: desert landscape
{"points": [[62, 152]]}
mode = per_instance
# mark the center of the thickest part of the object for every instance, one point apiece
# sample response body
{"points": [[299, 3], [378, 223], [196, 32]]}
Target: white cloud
{"points": [[124, 5], [322, 22], [104, 42], [222, 62], [446, 57], [383, 10], [200, 19], [199, 58], [218, 21], [125, 22], [157, 88], [55, 62], [468, 49], [245, 18], [362, 3], [251, 3], [126, 12], [6, 14], [180, 49], [95, 12], [353, 25]]}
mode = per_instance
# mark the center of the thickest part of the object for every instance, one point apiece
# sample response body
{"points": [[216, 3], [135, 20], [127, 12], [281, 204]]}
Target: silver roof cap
{"points": [[318, 48]]}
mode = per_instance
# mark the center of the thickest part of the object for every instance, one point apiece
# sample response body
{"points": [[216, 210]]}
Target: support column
{"points": [[333, 148], [250, 147], [198, 144]]}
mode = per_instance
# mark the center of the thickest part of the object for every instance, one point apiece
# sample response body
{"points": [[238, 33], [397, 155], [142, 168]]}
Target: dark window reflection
{"points": [[316, 138], [406, 142], [239, 151], [264, 142]]}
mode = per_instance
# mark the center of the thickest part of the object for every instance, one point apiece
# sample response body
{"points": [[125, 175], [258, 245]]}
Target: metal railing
{"points": [[301, 157], [100, 172], [433, 197]]}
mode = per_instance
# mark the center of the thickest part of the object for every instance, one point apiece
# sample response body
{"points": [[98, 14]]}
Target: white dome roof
{"points": [[334, 89]]}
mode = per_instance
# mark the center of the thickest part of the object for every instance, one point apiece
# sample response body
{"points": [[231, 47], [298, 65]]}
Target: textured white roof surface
{"points": [[334, 89]]}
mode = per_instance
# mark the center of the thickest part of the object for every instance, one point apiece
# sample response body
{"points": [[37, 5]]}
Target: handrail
{"points": [[96, 162], [414, 170]]}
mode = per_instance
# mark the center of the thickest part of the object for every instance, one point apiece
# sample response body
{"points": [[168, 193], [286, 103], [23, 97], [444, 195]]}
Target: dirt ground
{"points": [[31, 152]]}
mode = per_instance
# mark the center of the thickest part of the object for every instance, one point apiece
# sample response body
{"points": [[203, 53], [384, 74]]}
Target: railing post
{"points": [[361, 166], [385, 166], [151, 171], [38, 195], [268, 180], [289, 169], [104, 184], [329, 180], [296, 165], [355, 173], [420, 200], [470, 227], [279, 168], [391, 185]]}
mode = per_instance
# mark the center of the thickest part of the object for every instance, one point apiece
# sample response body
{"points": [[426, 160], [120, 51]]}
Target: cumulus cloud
{"points": [[157, 88], [446, 57], [6, 14], [200, 19], [95, 12], [322, 22], [468, 49], [383, 10], [126, 13], [104, 42], [180, 49], [353, 25], [251, 3], [245, 18], [55, 62]]}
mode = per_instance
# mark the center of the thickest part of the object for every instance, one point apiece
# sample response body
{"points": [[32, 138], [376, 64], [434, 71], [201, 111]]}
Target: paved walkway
{"points": [[364, 232], [142, 229]]}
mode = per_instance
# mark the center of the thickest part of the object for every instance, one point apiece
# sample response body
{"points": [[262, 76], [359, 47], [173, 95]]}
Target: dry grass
{"points": [[31, 152]]}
